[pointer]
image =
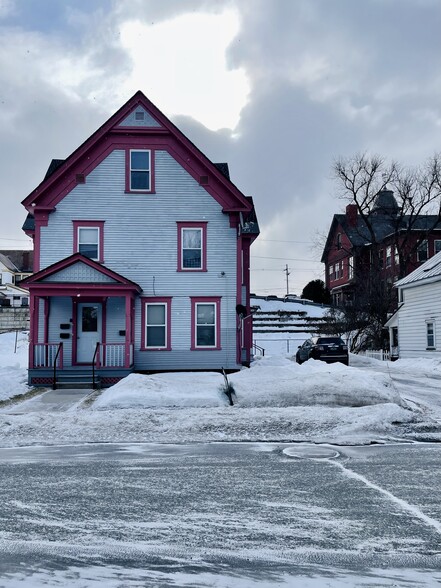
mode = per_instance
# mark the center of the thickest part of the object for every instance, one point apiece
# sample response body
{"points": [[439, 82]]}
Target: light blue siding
{"points": [[115, 319], [60, 311], [140, 243]]}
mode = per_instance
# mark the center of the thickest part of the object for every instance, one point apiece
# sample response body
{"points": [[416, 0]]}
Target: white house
{"points": [[416, 325]]}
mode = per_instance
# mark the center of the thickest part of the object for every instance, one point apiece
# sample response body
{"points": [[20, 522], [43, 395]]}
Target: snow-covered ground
{"points": [[275, 399], [13, 364]]}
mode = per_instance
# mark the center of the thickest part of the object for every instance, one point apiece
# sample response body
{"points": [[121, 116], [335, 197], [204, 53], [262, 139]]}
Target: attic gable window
{"points": [[139, 170]]}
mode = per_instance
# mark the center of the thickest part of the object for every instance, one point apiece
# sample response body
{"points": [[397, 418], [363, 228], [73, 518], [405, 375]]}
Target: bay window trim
{"points": [[158, 300]]}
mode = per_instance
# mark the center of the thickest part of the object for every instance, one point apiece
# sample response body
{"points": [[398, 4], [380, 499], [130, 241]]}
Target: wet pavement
{"points": [[268, 513]]}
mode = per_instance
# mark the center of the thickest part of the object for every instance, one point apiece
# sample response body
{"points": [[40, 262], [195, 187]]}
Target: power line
{"points": [[284, 241], [284, 258]]}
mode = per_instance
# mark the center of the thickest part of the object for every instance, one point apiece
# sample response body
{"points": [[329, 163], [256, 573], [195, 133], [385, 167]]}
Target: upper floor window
{"points": [[381, 259], [339, 241], [156, 324], [396, 256], [436, 246], [422, 251], [192, 246], [388, 256], [88, 239], [331, 272], [205, 327], [350, 267], [139, 168]]}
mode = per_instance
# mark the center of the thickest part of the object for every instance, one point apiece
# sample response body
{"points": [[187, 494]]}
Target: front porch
{"points": [[81, 324], [107, 367]]}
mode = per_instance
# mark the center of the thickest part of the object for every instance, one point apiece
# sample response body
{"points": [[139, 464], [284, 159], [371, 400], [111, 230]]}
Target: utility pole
{"points": [[286, 270]]}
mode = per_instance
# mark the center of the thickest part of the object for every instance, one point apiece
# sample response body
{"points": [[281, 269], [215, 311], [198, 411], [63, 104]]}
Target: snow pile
{"points": [[13, 366], [270, 382]]}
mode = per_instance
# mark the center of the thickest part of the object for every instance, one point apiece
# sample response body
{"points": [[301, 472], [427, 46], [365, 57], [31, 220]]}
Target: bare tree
{"points": [[405, 221], [417, 193]]}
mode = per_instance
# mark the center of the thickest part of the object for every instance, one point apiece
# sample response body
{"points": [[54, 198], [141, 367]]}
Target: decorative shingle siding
{"points": [[132, 121], [79, 272]]}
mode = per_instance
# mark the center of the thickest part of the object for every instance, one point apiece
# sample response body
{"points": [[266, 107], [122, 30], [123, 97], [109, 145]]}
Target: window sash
{"points": [[155, 325], [436, 246], [88, 242], [192, 252], [388, 256], [206, 327], [422, 251], [430, 333], [140, 170]]}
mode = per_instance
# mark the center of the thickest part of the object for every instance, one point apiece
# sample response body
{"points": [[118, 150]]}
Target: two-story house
{"points": [[141, 255], [398, 247]]}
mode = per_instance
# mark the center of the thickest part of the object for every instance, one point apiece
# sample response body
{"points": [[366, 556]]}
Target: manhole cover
{"points": [[311, 452]]}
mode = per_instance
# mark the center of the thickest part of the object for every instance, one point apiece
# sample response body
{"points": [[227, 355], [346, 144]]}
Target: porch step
{"points": [[79, 381]]}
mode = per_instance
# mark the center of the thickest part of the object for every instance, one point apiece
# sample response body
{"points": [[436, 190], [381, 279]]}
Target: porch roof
{"points": [[45, 282]]}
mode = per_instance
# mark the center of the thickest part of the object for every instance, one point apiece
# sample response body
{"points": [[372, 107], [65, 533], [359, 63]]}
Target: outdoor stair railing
{"points": [[58, 353]]}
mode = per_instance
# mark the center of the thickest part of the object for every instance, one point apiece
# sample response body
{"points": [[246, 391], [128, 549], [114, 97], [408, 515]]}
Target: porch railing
{"points": [[113, 355], [46, 354]]}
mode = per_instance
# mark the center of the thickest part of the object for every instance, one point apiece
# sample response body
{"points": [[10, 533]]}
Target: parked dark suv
{"points": [[329, 349]]}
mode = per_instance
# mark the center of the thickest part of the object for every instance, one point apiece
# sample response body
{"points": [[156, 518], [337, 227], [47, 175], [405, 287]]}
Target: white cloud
{"points": [[180, 64]]}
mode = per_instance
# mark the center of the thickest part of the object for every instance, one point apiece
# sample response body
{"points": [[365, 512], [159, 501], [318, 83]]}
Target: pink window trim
{"points": [[205, 300], [155, 300], [192, 225], [79, 224], [128, 189]]}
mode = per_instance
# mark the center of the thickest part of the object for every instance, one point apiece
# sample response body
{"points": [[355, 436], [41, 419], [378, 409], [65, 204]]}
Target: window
{"points": [[351, 267], [156, 324], [140, 171], [88, 239], [430, 330], [192, 246], [381, 259], [25, 301], [396, 256], [436, 246], [422, 251], [205, 323], [331, 272], [339, 241], [388, 256]]}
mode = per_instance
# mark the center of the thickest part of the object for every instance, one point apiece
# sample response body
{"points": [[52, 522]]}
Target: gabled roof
{"points": [[383, 226], [53, 269], [429, 271], [116, 131], [21, 258], [4, 259]]}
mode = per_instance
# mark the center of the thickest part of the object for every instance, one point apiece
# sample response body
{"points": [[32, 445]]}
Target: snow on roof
{"points": [[429, 271]]}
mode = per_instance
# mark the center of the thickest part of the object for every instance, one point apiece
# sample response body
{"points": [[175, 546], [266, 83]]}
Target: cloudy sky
{"points": [[278, 88]]}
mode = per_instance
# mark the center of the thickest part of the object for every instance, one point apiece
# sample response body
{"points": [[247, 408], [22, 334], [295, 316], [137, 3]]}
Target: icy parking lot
{"points": [[220, 515]]}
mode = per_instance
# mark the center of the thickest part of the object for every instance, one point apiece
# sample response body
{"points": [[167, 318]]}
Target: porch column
{"points": [[33, 326], [128, 329]]}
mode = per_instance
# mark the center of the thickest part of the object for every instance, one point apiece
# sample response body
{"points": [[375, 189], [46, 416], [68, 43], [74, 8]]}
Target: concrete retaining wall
{"points": [[13, 318]]}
